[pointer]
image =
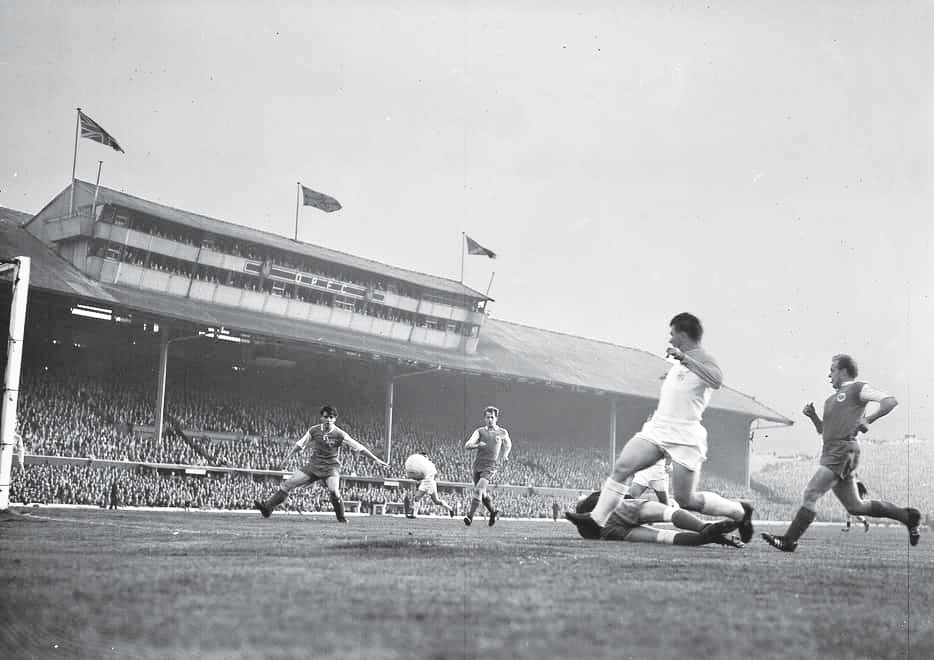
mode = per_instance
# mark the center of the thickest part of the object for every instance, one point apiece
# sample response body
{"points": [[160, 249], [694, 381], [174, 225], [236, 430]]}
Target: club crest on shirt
{"points": [[841, 397]]}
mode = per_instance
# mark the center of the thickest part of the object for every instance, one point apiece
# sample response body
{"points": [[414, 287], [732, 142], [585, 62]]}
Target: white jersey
{"points": [[419, 467], [684, 396]]}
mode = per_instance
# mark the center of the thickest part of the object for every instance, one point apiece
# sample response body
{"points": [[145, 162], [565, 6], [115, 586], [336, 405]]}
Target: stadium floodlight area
{"points": [[91, 312], [19, 267]]}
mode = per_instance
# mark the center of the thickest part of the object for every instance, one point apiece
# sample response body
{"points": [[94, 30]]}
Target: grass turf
{"points": [[141, 584]]}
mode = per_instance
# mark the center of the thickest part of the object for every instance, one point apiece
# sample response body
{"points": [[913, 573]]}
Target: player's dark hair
{"points": [[491, 409], [847, 362], [587, 504], [328, 411], [688, 324], [862, 490]]}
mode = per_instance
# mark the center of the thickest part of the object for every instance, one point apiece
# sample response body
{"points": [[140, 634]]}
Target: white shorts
{"points": [[654, 477], [428, 485], [685, 443]]}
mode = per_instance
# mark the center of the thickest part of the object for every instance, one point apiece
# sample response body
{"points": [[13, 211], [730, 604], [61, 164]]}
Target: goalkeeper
{"points": [[630, 522]]}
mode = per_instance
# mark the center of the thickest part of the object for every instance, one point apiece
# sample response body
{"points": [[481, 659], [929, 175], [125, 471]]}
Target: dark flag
{"points": [[91, 130], [475, 248], [320, 201]]}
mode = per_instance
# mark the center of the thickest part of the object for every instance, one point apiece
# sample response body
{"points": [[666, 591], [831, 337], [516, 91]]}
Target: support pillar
{"points": [[160, 388], [390, 393]]}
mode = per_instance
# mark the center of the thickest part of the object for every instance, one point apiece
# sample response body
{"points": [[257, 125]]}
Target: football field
{"points": [[81, 583]]}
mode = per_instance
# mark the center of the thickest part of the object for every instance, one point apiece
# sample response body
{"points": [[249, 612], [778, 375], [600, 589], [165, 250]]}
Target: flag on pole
{"points": [[475, 248], [91, 130], [319, 200]]}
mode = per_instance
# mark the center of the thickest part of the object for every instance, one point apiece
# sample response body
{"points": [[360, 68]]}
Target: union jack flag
{"points": [[91, 130]]}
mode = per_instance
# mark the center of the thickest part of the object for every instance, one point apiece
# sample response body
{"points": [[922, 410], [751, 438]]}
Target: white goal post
{"points": [[19, 267]]}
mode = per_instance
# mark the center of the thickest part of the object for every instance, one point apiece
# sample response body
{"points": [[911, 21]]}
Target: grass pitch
{"points": [[142, 584]]}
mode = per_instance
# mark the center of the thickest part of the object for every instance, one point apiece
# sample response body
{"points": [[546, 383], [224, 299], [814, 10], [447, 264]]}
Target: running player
{"points": [[675, 432], [844, 417], [326, 440], [630, 523], [421, 469], [493, 445]]}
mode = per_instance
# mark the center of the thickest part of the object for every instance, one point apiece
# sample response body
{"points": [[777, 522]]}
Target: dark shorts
{"points": [[487, 474], [320, 473], [841, 458], [623, 521]]}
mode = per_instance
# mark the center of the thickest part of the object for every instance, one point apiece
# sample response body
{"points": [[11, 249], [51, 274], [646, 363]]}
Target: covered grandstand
{"points": [[450, 366]]}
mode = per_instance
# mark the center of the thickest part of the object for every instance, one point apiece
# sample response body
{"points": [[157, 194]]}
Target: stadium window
{"points": [[343, 303], [284, 274]]}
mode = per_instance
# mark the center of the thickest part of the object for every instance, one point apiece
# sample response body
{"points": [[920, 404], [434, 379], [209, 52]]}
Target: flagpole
{"points": [[97, 188], [490, 285], [463, 250], [298, 202], [74, 163]]}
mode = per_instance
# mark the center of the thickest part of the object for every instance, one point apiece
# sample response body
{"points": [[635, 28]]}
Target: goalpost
{"points": [[20, 271]]}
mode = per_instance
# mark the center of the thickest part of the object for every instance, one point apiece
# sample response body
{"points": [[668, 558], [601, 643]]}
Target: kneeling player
{"points": [[629, 522], [420, 468]]}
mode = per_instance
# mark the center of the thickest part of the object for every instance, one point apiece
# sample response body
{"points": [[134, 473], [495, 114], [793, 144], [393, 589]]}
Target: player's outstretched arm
{"points": [[294, 449], [373, 457], [359, 447]]}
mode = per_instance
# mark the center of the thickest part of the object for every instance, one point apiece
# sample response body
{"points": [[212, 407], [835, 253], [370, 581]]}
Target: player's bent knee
{"points": [[860, 508], [690, 501]]}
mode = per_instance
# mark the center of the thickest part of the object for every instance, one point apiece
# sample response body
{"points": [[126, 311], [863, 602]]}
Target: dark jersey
{"points": [[325, 448], [843, 411], [488, 455]]}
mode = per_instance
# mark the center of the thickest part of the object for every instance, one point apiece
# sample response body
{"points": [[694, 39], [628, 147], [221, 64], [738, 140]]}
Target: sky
{"points": [[766, 166]]}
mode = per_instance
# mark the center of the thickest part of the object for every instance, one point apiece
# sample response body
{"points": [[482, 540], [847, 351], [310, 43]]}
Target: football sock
{"points": [[671, 537], [488, 503], [277, 499], [685, 520], [879, 509], [799, 525], [474, 504], [685, 538], [415, 506], [611, 495], [338, 505], [717, 505]]}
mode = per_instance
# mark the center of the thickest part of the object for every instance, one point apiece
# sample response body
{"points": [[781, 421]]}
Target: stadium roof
{"points": [[505, 350], [49, 271], [258, 237]]}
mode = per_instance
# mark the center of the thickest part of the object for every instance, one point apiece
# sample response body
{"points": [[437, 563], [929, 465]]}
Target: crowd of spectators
{"points": [[105, 417], [142, 486]]}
